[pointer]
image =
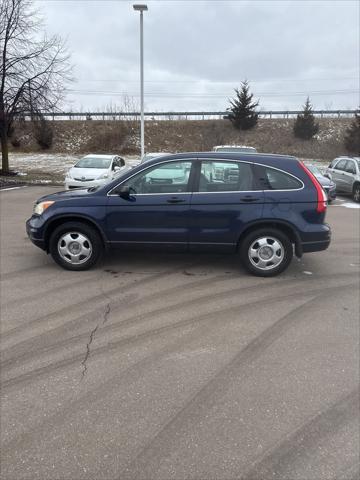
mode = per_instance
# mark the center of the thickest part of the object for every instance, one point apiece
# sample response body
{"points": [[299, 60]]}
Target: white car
{"points": [[94, 171], [234, 148], [151, 155]]}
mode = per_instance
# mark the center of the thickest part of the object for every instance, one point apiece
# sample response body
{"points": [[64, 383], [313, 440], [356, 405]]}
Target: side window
{"points": [[272, 179], [340, 165], [218, 176], [350, 167], [172, 177]]}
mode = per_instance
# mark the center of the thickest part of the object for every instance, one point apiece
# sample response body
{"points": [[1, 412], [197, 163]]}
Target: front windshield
{"points": [[146, 158], [94, 162], [314, 170], [150, 156]]}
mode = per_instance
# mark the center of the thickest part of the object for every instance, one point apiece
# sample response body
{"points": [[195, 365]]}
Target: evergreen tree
{"points": [[352, 136], [242, 110], [305, 126]]}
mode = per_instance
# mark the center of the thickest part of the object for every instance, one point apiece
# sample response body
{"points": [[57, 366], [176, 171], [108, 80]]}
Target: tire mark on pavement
{"points": [[94, 299], [114, 345], [277, 462], [138, 368], [31, 348], [159, 446], [124, 342]]}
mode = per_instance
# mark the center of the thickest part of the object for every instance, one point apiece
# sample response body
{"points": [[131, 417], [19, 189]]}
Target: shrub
{"points": [[242, 112], [352, 136], [43, 132], [305, 126]]}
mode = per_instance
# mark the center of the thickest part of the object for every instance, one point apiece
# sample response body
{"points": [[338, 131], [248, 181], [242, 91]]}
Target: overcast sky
{"points": [[197, 52]]}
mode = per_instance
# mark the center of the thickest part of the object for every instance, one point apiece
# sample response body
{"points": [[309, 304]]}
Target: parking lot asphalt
{"points": [[178, 366]]}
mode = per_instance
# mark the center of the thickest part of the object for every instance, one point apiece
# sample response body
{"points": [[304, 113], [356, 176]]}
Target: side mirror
{"points": [[117, 169], [328, 175], [124, 192]]}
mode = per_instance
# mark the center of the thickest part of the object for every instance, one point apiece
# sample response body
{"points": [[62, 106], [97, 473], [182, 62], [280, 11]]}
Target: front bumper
{"points": [[35, 232], [330, 192], [72, 184]]}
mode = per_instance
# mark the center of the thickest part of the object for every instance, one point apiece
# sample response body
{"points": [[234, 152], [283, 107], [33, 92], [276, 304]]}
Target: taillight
{"points": [[321, 195]]}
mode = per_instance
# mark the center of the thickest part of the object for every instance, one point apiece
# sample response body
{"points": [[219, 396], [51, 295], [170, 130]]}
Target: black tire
{"points": [[259, 239], [81, 241], [356, 193]]}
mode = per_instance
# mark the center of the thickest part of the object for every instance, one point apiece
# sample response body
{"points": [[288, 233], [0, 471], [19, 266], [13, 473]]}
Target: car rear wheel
{"points": [[356, 192], [266, 252], [75, 246]]}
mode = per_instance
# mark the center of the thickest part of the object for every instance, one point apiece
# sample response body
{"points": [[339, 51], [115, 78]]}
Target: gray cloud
{"points": [[196, 52]]}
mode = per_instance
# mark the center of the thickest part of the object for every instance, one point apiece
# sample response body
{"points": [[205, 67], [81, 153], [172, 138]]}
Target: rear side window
{"points": [[350, 167], [273, 179]]}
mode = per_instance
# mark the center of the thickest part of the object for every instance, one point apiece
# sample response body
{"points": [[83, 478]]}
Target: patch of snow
{"points": [[12, 188], [349, 205]]}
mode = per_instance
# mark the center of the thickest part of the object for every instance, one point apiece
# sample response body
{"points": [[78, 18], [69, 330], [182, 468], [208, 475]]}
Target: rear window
{"points": [[273, 179]]}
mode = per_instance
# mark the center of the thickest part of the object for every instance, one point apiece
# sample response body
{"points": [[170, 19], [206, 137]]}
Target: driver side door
{"points": [[156, 213]]}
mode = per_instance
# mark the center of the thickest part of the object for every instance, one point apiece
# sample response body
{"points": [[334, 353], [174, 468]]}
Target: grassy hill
{"points": [[270, 135]]}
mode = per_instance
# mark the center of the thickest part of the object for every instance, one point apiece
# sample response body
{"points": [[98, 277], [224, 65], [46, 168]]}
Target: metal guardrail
{"points": [[185, 115]]}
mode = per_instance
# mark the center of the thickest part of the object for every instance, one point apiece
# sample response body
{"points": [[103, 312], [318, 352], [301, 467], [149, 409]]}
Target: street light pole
{"points": [[141, 9]]}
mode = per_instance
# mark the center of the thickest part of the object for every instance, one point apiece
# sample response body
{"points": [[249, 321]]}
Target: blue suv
{"points": [[262, 207]]}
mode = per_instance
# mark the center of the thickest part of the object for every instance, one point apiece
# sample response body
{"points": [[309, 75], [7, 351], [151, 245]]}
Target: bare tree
{"points": [[33, 67]]}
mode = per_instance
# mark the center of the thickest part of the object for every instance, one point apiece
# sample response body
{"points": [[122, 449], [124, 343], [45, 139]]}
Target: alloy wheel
{"points": [[74, 248], [266, 253]]}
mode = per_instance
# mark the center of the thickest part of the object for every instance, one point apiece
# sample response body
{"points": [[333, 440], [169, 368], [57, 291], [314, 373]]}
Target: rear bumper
{"points": [[319, 241]]}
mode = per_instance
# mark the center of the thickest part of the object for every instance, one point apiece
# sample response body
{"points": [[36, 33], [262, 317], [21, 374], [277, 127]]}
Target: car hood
{"points": [[79, 192], [87, 172], [324, 181]]}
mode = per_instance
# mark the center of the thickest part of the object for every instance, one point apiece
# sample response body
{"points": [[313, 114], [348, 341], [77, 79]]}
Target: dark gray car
{"points": [[325, 181]]}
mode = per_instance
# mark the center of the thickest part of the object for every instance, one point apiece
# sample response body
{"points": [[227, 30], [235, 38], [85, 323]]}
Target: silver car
{"points": [[151, 155], [234, 148], [345, 172]]}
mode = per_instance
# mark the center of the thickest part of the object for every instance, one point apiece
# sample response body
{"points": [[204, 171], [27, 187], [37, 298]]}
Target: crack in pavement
{"points": [[92, 336], [107, 313], [87, 354]]}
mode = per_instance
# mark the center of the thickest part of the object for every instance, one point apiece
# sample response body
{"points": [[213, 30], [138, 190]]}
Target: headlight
{"points": [[68, 175], [39, 208], [104, 175]]}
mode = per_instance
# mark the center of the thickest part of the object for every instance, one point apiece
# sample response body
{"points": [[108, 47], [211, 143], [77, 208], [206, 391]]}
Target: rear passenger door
{"points": [[224, 201]]}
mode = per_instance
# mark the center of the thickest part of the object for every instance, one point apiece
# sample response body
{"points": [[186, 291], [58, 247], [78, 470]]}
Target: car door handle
{"points": [[249, 199], [176, 200]]}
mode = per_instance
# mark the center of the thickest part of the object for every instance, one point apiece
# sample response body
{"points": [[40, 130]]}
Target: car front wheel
{"points": [[75, 246], [266, 252]]}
